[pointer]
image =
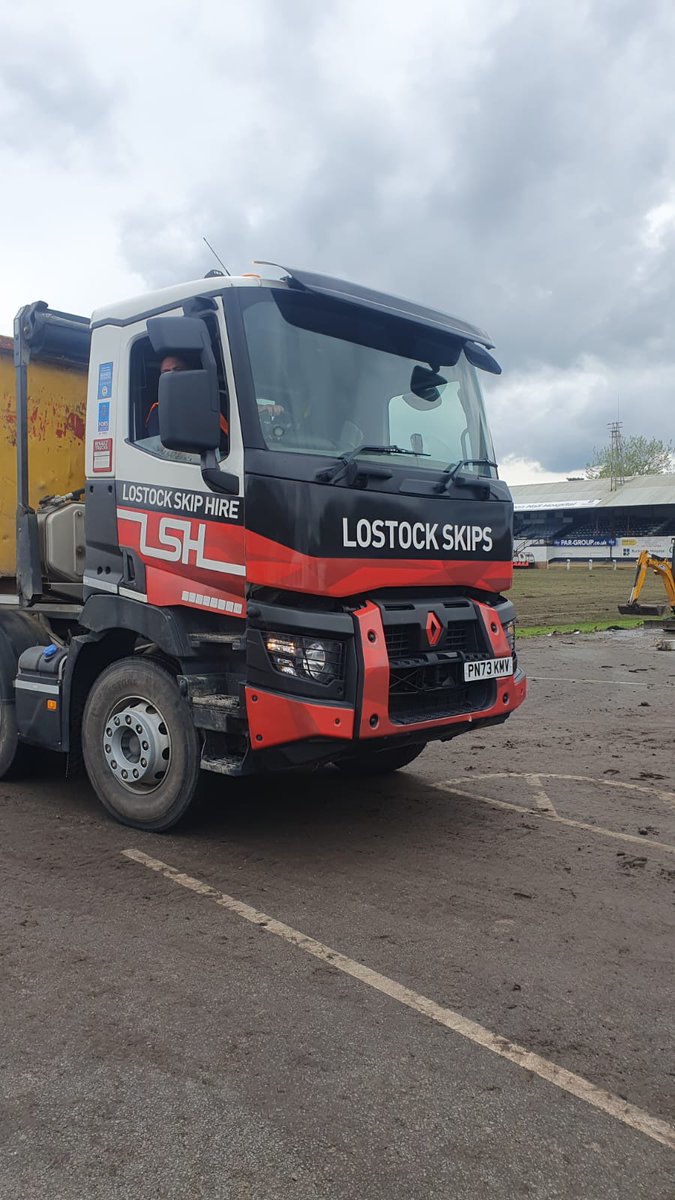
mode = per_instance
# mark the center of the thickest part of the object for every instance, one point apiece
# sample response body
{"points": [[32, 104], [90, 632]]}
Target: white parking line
{"points": [[575, 1085], [651, 790], [553, 816], [541, 799], [604, 682]]}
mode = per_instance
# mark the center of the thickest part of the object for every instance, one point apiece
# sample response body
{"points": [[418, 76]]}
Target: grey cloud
{"points": [[516, 198], [556, 417], [50, 99]]}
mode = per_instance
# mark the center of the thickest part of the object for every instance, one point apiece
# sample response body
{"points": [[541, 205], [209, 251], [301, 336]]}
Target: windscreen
{"points": [[331, 377]]}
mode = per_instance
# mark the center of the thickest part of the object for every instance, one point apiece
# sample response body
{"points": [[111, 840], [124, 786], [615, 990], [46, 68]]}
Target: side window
{"points": [[143, 384], [144, 372]]}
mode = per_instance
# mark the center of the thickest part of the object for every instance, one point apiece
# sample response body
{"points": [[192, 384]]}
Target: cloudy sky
{"points": [[509, 161]]}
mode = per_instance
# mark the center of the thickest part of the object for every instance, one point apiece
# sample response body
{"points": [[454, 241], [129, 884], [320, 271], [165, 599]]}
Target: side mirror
{"points": [[480, 357], [179, 335], [189, 411], [189, 401]]}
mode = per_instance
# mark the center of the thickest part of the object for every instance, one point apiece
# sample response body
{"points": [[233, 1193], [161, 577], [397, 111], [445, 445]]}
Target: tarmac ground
{"points": [[455, 982]]}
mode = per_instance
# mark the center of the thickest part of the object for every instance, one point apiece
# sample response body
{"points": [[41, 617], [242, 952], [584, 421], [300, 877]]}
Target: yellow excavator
{"points": [[665, 569]]}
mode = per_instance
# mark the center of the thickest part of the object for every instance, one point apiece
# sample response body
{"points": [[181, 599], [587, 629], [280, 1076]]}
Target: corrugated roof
{"points": [[595, 493]]}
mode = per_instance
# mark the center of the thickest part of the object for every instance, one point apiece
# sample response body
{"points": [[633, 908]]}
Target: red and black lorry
{"points": [[289, 545]]}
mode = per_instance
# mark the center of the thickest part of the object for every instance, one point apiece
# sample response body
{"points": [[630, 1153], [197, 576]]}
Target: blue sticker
{"points": [[105, 377], [104, 416]]}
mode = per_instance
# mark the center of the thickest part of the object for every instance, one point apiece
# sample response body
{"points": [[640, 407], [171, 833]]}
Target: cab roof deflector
{"points": [[354, 293]]}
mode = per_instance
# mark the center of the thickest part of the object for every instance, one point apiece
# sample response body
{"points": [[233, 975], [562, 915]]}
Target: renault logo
{"points": [[434, 629]]}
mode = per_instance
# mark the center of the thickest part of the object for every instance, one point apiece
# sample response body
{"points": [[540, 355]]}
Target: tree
{"points": [[639, 456]]}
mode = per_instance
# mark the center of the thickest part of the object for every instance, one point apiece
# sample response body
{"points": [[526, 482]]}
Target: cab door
{"points": [[181, 539]]}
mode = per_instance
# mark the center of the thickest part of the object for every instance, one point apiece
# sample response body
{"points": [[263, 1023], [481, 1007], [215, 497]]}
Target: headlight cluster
{"points": [[319, 659]]}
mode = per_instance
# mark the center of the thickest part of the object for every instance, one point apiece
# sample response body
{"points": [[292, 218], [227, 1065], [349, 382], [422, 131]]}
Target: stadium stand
{"points": [[585, 518]]}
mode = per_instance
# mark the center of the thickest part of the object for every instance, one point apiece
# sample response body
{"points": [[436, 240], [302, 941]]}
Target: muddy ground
{"points": [[155, 1043], [558, 596]]}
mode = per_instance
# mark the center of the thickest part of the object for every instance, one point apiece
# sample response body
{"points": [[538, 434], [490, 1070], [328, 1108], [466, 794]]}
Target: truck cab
{"points": [[291, 549]]}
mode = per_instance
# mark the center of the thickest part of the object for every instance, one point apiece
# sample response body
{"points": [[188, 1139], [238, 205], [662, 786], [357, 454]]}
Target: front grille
{"points": [[400, 641], [417, 693], [404, 640], [427, 682]]}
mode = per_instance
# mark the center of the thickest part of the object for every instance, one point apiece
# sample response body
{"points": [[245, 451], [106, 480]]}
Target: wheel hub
{"points": [[136, 744]]}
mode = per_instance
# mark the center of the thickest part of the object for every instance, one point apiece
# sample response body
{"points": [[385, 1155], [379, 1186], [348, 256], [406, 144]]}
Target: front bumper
{"points": [[381, 713], [402, 679]]}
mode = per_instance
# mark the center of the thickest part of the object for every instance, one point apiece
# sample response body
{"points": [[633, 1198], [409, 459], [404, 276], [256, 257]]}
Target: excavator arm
{"points": [[662, 567]]}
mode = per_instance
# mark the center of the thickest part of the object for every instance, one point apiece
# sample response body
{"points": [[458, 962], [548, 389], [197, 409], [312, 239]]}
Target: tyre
{"points": [[378, 762], [11, 752], [140, 748]]}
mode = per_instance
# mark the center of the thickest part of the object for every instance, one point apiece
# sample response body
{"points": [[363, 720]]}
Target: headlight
{"points": [[301, 657], [315, 659]]}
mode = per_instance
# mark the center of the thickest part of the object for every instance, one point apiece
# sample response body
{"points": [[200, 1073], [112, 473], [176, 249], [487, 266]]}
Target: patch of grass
{"points": [[558, 599], [580, 627]]}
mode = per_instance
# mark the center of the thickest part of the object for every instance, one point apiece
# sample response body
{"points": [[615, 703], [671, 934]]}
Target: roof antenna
{"points": [[216, 256]]}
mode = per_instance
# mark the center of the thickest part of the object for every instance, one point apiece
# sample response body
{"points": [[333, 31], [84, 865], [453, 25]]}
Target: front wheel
{"points": [[378, 762], [140, 747]]}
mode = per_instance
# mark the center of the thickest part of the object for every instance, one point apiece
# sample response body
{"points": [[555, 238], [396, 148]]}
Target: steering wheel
{"points": [[279, 426], [275, 421]]}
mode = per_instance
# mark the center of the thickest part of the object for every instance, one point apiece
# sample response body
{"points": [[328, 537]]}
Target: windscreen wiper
{"points": [[349, 469], [453, 473]]}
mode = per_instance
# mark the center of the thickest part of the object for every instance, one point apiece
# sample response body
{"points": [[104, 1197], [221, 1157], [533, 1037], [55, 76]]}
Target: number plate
{"points": [[487, 668]]}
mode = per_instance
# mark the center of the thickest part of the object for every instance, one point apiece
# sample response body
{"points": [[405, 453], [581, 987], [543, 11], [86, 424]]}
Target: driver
{"points": [[173, 362], [267, 412]]}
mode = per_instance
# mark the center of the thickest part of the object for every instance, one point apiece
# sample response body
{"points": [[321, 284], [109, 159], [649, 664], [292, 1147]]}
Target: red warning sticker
{"points": [[102, 454]]}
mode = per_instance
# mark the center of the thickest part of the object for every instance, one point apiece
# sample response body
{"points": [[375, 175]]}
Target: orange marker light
{"points": [[52, 705]]}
